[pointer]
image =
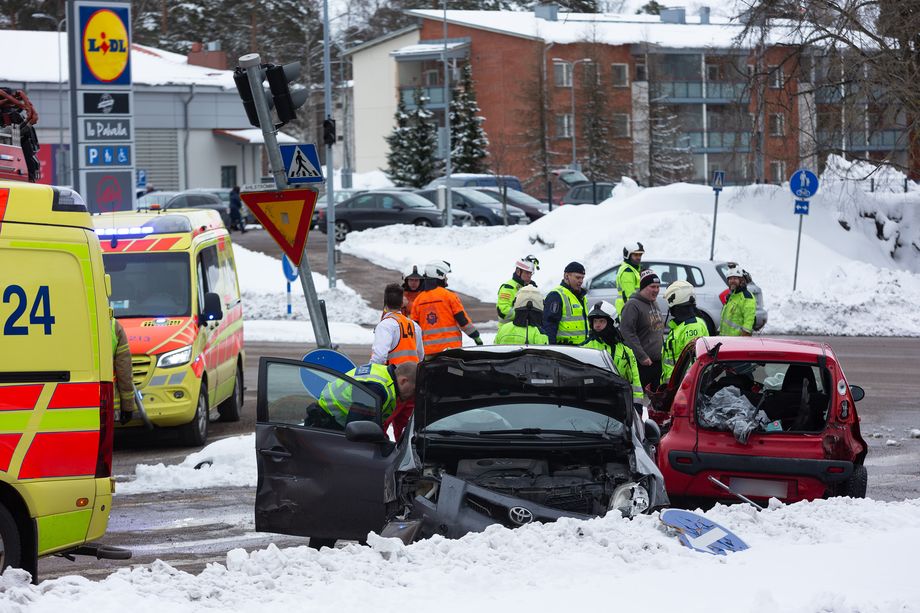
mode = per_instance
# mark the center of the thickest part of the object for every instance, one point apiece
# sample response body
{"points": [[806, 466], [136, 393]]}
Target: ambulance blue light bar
{"points": [[132, 231]]}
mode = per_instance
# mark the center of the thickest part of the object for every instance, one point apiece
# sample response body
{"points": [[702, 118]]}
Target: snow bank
{"points": [[829, 555], [848, 283]]}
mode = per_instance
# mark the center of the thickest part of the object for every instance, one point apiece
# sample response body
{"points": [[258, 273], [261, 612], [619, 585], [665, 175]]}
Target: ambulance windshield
{"points": [[149, 284]]}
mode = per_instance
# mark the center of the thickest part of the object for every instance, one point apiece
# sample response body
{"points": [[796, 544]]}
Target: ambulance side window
{"points": [[230, 285], [208, 273]]}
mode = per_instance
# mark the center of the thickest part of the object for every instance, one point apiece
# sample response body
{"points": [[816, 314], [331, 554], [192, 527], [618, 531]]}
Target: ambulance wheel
{"points": [[231, 408], [10, 545], [195, 432], [855, 486]]}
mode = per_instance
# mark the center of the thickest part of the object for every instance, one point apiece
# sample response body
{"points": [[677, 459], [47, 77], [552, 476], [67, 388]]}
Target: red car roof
{"points": [[751, 347]]}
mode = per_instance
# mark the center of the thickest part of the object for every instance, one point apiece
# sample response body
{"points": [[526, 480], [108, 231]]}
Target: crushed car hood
{"points": [[460, 379]]}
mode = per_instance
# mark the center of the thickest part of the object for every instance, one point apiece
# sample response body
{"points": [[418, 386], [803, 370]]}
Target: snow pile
{"points": [[229, 462], [848, 283], [828, 555], [375, 179]]}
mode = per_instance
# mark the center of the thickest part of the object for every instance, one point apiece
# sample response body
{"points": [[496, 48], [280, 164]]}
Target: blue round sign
{"points": [[327, 358], [290, 271], [803, 184]]}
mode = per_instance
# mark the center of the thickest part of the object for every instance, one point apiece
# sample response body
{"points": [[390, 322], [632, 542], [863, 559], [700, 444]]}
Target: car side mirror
{"points": [[365, 432], [857, 392], [652, 432], [212, 310]]}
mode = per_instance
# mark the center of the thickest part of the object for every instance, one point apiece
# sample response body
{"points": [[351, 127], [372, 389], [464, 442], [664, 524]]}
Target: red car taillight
{"points": [[106, 429]]}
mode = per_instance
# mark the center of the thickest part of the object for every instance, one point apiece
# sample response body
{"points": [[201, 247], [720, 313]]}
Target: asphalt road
{"points": [[189, 529]]}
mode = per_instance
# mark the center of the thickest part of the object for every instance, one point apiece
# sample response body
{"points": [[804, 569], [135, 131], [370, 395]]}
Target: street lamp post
{"points": [[448, 203], [59, 179], [573, 64]]}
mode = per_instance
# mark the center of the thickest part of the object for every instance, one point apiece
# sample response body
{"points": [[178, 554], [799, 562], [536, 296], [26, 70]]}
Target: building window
{"points": [[562, 74], [641, 72], [432, 78], [228, 176], [564, 125], [778, 171], [712, 72], [620, 75], [621, 125], [592, 73], [777, 124], [776, 77]]}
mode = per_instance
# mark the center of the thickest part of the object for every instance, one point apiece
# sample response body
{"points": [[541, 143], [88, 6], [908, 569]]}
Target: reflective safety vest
{"points": [[679, 336], [505, 303], [435, 312], [573, 327], [336, 397], [406, 349], [510, 334], [625, 361], [627, 284], [738, 314]]}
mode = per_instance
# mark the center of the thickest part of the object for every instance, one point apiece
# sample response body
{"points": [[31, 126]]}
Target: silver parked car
{"points": [[707, 278]]}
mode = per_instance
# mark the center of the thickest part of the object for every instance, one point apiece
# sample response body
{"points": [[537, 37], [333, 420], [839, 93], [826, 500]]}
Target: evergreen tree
{"points": [[413, 157], [670, 160], [399, 156], [469, 143]]}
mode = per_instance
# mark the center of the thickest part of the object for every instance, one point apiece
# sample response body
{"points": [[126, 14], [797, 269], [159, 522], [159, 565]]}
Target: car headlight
{"points": [[175, 358], [630, 499]]}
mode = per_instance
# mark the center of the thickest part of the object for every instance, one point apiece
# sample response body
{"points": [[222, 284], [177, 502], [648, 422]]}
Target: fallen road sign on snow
{"points": [[700, 533]]}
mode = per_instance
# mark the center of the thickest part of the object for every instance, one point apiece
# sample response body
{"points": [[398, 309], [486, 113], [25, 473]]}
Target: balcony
{"points": [[698, 92], [719, 142], [434, 94], [882, 140]]}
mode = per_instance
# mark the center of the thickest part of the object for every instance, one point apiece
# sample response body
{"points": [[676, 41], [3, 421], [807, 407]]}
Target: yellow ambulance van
{"points": [[56, 389], [175, 292]]}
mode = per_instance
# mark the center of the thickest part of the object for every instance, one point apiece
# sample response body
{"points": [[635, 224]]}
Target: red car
{"points": [[769, 418]]}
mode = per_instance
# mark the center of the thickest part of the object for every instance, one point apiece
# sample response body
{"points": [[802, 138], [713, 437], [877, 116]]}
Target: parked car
{"points": [[589, 193], [478, 180], [340, 195], [563, 179], [377, 208], [533, 208], [486, 210], [500, 435], [189, 199], [224, 194], [769, 418], [707, 278]]}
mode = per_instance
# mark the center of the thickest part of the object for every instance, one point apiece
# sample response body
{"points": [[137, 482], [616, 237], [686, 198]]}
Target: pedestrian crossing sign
{"points": [[301, 163]]}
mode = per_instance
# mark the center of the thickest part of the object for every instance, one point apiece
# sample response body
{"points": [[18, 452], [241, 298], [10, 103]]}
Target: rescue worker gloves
{"points": [[679, 292], [437, 269], [632, 248], [528, 297], [528, 264]]}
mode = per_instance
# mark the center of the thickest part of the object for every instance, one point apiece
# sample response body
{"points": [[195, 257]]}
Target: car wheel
{"points": [[855, 486], [341, 230], [10, 545], [231, 408], [423, 223], [195, 432], [481, 221], [318, 544]]}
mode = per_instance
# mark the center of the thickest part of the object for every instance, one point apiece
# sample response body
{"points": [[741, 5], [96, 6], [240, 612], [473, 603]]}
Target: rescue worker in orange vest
{"points": [[440, 313], [397, 338], [412, 286]]}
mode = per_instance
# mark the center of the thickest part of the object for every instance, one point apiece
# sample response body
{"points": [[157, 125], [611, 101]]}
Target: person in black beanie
{"points": [[565, 320], [642, 327]]}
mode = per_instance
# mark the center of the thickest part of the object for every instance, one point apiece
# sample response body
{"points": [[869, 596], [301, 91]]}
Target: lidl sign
{"points": [[105, 46]]}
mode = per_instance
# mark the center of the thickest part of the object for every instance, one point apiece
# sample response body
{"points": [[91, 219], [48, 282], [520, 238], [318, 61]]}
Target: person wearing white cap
{"points": [[524, 329], [523, 275], [740, 308]]}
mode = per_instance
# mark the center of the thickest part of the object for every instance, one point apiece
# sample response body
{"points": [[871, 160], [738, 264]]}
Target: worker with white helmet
{"points": [[684, 326], [628, 274], [740, 307], [524, 329], [605, 336], [523, 276], [439, 312]]}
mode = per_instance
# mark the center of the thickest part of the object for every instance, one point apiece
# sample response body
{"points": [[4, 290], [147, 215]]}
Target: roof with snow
{"points": [[149, 65], [427, 50]]}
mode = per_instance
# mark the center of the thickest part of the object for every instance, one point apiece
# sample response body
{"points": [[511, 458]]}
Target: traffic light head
{"points": [[243, 87], [286, 99], [329, 132]]}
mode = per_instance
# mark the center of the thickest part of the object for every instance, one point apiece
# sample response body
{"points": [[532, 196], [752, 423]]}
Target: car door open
{"points": [[313, 481]]}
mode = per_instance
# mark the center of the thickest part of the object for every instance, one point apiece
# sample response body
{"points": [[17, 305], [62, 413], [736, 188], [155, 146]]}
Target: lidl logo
{"points": [[105, 46]]}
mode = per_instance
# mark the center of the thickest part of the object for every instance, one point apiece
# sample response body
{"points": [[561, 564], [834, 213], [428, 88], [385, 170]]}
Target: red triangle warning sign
{"points": [[286, 214]]}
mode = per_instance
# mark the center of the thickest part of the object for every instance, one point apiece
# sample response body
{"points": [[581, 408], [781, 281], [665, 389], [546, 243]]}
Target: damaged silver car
{"points": [[500, 435]]}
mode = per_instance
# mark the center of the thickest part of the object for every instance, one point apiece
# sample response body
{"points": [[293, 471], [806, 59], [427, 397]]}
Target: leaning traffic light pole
{"points": [[258, 109]]}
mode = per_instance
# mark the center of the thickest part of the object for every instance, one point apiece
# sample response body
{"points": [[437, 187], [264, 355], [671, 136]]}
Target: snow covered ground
{"points": [[848, 281], [830, 555]]}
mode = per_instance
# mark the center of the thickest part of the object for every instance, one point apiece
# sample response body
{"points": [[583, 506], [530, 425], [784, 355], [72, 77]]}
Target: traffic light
{"points": [[287, 101], [329, 131], [241, 79]]}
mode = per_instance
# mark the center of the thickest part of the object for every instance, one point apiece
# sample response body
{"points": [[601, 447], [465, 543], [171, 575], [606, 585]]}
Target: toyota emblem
{"points": [[520, 515]]}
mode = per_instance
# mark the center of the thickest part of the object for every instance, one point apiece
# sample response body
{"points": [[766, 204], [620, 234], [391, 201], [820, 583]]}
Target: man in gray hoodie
{"points": [[642, 327]]}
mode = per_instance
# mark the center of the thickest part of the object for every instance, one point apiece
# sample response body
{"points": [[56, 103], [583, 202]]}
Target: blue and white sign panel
{"points": [[141, 178], [718, 179], [301, 163], [290, 271], [801, 207], [701, 533], [803, 184]]}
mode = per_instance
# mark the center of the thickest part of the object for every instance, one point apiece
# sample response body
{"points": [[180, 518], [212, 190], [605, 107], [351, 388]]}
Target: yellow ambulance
{"points": [[175, 292], [56, 390]]}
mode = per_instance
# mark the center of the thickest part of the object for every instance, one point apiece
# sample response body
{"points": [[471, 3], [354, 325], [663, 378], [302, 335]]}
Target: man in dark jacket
{"points": [[236, 211], [565, 320], [642, 327]]}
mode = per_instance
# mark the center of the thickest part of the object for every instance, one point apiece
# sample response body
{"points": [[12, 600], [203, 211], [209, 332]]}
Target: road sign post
{"points": [[252, 64], [803, 184], [718, 178]]}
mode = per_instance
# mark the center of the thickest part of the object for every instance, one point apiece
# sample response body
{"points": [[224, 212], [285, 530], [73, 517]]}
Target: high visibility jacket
{"points": [[505, 303], [679, 336], [625, 361], [336, 397], [510, 334], [627, 284], [573, 327], [406, 349], [441, 316], [738, 314], [124, 370]]}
